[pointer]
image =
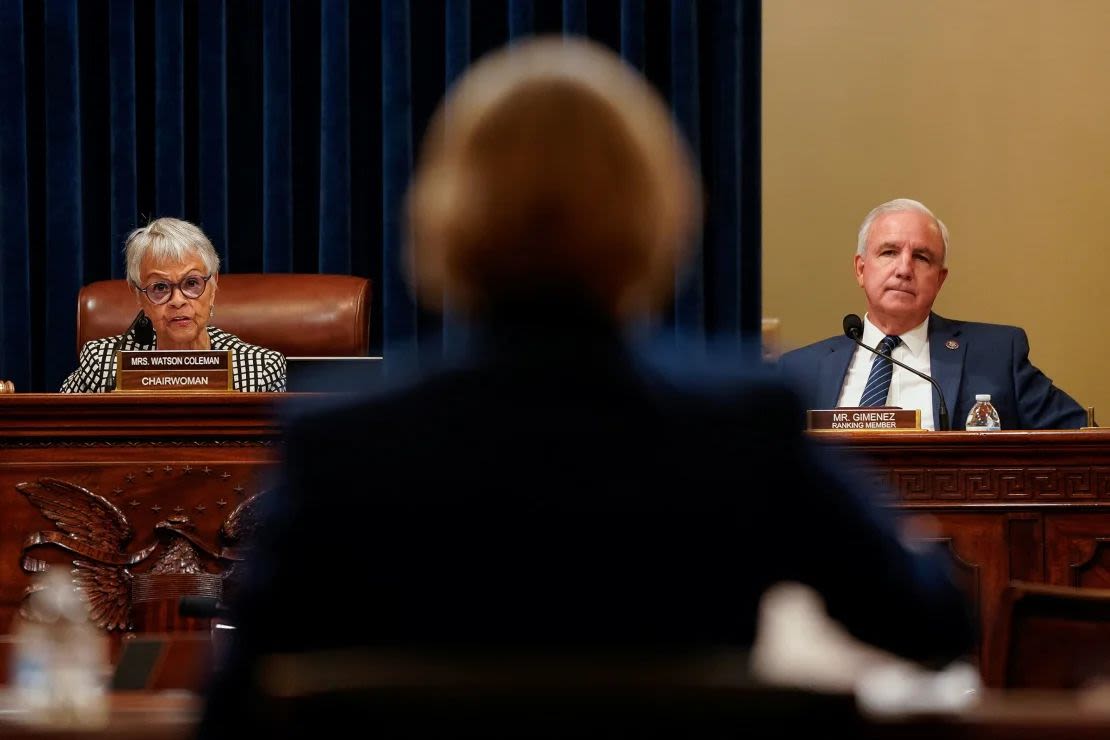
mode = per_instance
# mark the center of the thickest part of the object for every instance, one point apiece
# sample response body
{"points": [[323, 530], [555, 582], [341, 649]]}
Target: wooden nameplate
{"points": [[174, 370], [869, 419]]}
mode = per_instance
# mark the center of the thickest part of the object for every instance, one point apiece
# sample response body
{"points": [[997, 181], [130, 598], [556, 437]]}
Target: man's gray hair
{"points": [[899, 205], [168, 240]]}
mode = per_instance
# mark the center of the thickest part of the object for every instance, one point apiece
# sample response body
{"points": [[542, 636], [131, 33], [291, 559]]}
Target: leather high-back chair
{"points": [[1054, 637], [299, 315]]}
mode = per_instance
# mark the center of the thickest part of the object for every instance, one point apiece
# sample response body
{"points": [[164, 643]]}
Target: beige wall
{"points": [[995, 114]]}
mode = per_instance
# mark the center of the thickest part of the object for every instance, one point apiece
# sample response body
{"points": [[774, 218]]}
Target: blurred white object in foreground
{"points": [[910, 689], [799, 645], [60, 666]]}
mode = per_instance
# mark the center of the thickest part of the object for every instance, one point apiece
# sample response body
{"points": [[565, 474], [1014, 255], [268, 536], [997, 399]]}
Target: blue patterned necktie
{"points": [[878, 382]]}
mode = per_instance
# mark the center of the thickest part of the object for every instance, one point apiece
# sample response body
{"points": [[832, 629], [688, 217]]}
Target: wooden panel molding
{"points": [[1010, 483], [1030, 506], [155, 488]]}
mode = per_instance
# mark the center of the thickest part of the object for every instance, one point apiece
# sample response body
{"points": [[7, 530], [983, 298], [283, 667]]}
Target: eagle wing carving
{"points": [[240, 531], [94, 528], [90, 524], [107, 591], [242, 525]]}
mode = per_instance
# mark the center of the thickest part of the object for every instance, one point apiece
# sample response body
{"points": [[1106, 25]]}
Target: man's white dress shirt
{"points": [[906, 389]]}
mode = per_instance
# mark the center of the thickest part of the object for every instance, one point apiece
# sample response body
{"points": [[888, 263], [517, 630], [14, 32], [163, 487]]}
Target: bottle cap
{"points": [[982, 396]]}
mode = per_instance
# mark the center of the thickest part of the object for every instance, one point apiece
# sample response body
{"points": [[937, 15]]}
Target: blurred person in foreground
{"points": [[557, 489], [172, 268]]}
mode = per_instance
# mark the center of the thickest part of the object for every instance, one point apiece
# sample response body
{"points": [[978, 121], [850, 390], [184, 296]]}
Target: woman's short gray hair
{"points": [[168, 240], [898, 205]]}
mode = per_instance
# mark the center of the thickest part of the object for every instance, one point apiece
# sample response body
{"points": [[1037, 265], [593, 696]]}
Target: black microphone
{"points": [[201, 607], [144, 330], [853, 329]]}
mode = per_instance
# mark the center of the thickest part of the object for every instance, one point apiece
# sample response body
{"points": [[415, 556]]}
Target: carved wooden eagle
{"points": [[95, 529]]}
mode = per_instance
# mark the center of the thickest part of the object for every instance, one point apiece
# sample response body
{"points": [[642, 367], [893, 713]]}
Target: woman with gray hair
{"points": [[172, 268]]}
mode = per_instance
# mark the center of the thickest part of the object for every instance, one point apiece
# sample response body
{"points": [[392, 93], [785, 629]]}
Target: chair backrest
{"points": [[295, 314], [771, 331], [1054, 637]]}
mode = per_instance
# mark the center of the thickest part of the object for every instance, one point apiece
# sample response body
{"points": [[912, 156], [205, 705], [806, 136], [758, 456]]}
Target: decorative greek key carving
{"points": [[911, 483], [1100, 477], [1073, 483]]}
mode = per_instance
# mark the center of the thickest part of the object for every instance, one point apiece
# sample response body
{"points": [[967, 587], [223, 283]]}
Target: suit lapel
{"points": [[834, 366], [946, 364]]}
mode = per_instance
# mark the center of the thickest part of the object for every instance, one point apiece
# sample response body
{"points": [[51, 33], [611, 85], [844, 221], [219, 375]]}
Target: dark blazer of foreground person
{"points": [[557, 490]]}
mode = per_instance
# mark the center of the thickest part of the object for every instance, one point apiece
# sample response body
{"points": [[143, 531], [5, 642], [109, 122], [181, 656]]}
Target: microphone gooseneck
{"points": [[853, 329], [143, 328]]}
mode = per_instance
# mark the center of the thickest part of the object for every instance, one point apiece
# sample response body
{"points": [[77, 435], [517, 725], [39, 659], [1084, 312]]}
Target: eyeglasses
{"points": [[160, 291]]}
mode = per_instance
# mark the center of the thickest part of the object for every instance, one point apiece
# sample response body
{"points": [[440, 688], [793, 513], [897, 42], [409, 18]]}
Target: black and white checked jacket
{"points": [[252, 368]]}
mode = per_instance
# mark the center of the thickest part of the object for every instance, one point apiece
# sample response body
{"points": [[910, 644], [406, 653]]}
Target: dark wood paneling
{"points": [[1025, 543], [171, 467], [1078, 550], [1010, 505], [1028, 506]]}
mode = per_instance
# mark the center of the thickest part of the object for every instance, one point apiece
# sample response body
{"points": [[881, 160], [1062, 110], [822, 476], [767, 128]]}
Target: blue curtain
{"points": [[288, 128]]}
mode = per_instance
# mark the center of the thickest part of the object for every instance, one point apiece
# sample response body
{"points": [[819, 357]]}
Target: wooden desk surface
{"points": [[135, 715], [998, 716], [1008, 715]]}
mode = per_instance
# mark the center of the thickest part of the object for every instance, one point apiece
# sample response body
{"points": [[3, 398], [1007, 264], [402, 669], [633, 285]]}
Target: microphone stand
{"points": [[144, 330]]}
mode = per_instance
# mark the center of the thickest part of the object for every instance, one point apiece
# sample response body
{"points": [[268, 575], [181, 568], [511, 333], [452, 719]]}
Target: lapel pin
{"points": [[952, 344]]}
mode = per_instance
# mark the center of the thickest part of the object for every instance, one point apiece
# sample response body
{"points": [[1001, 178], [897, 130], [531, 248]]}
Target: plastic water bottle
{"points": [[983, 417], [60, 666]]}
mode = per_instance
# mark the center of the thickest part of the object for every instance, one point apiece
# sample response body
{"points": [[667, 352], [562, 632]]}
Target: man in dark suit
{"points": [[557, 490], [900, 264]]}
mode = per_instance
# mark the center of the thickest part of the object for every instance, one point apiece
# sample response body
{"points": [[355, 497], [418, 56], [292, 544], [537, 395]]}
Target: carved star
{"points": [[149, 471], [200, 507], [239, 489], [156, 508], [130, 477], [225, 475], [206, 470], [168, 468], [178, 510], [117, 491], [188, 470], [134, 502], [221, 503]]}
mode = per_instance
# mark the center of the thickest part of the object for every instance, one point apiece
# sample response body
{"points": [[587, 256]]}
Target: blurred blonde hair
{"points": [[551, 165]]}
